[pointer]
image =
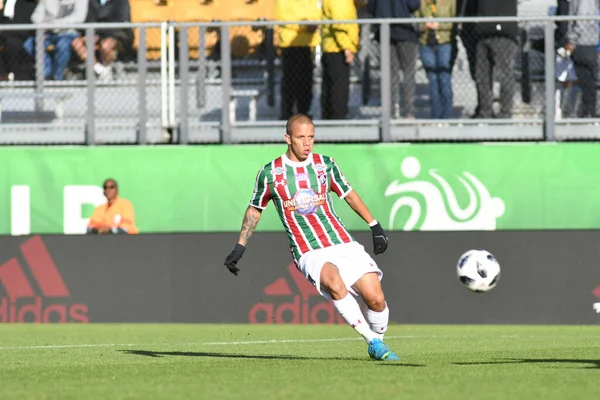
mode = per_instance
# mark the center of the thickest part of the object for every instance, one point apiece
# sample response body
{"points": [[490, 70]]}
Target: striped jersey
{"points": [[301, 193]]}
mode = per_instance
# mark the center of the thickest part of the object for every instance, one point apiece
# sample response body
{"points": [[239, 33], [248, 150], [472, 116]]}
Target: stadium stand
{"points": [[117, 109], [244, 39]]}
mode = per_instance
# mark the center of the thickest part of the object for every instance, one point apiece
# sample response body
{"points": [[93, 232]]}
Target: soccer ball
{"points": [[478, 270]]}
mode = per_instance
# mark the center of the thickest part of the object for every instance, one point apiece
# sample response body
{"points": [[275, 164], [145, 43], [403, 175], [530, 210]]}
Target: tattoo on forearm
{"points": [[249, 225]]}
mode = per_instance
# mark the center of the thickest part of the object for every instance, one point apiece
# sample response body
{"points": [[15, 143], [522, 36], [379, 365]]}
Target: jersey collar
{"points": [[304, 163]]}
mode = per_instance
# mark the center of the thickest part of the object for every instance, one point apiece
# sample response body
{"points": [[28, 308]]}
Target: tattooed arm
{"points": [[251, 218]]}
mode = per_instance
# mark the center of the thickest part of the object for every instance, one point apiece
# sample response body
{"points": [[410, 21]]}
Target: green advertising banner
{"points": [[207, 188]]}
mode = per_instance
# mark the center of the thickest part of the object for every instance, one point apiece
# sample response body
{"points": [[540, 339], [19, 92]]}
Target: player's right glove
{"points": [[233, 258], [380, 240]]}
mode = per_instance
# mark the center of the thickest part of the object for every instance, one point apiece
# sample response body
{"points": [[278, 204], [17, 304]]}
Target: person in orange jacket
{"points": [[115, 216]]}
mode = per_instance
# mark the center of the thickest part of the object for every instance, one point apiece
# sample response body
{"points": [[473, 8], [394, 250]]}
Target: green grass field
{"points": [[157, 361]]}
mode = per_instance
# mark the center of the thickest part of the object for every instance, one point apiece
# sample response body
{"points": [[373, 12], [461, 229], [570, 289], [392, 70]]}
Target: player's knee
{"points": [[376, 302], [334, 285], [337, 290]]}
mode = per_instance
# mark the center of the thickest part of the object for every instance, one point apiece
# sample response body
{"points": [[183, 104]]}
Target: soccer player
{"points": [[298, 183]]}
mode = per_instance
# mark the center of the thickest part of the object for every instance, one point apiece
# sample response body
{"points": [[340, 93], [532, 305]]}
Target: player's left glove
{"points": [[233, 258], [380, 240]]}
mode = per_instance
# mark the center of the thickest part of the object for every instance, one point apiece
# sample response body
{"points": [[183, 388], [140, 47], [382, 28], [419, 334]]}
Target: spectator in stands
{"points": [[582, 40], [562, 27], [115, 216], [468, 36], [340, 44], [496, 47], [405, 46], [297, 43], [57, 41], [111, 41], [15, 63], [436, 54]]}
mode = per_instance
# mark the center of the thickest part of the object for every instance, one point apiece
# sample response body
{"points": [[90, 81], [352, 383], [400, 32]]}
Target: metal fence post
{"points": [[386, 83], [142, 74], [40, 55], [270, 54], [172, 45], [90, 137], [201, 75], [183, 86], [225, 84], [549, 57], [164, 99]]}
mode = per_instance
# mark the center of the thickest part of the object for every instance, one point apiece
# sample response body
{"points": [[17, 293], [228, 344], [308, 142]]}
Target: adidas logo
{"points": [[20, 303], [298, 311]]}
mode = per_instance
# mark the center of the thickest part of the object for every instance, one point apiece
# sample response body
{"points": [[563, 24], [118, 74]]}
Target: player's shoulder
{"points": [[327, 160], [269, 167]]}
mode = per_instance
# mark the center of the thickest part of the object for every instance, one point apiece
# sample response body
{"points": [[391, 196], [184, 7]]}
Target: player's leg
{"points": [[362, 276], [332, 283], [369, 287], [378, 313]]}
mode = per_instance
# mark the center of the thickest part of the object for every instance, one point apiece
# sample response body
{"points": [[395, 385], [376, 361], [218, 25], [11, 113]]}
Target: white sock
{"points": [[378, 321], [350, 311]]}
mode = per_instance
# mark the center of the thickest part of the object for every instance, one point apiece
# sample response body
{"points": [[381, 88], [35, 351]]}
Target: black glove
{"points": [[380, 240], [233, 258]]}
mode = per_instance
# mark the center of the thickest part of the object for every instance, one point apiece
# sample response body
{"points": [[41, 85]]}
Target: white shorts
{"points": [[351, 260]]}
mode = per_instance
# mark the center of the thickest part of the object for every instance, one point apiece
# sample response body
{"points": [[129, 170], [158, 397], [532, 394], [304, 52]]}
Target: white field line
{"points": [[245, 342], [274, 341]]}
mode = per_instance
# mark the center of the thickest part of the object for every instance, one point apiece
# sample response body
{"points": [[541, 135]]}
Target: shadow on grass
{"points": [[592, 364], [400, 364], [149, 353]]}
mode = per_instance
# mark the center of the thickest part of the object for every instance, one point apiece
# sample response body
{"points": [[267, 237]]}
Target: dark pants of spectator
{"points": [[14, 57], [335, 86], [436, 61], [297, 80], [586, 68], [56, 61], [403, 58], [495, 53], [468, 37]]}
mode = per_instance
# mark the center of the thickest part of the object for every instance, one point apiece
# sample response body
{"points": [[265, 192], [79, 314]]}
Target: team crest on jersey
{"points": [[302, 176], [278, 171], [320, 167], [323, 179]]}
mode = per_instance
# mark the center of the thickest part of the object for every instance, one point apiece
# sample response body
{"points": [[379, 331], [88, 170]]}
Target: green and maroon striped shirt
{"points": [[301, 194]]}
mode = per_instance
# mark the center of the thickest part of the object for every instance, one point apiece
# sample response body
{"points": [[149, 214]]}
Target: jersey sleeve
{"points": [[262, 194], [339, 184]]}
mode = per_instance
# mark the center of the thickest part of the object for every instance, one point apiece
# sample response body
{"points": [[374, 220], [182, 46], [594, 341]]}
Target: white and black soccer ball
{"points": [[478, 270]]}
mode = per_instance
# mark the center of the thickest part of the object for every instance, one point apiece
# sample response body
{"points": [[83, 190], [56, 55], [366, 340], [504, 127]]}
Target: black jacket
{"points": [[396, 9], [466, 8], [23, 11], [112, 11], [497, 8], [560, 34]]}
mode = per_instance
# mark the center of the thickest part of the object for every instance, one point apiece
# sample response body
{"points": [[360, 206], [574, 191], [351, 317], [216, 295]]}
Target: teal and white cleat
{"points": [[379, 351]]}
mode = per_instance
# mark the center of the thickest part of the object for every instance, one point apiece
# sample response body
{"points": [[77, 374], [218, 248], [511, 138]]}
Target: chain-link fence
{"points": [[49, 79], [183, 82]]}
